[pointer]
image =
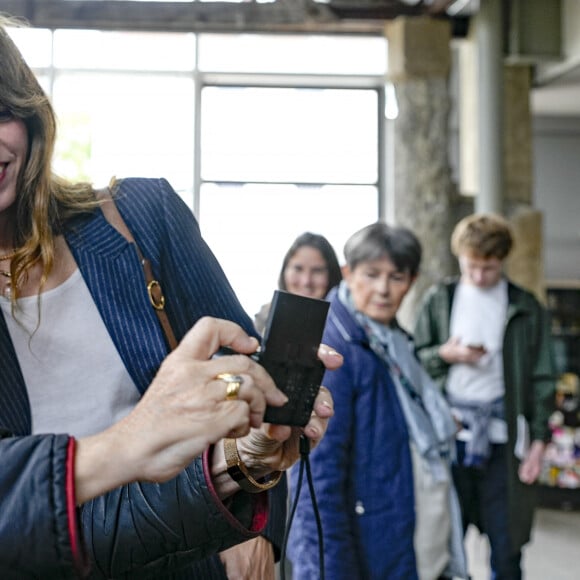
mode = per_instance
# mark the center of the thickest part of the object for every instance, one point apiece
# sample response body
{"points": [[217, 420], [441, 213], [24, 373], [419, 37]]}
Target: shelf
{"points": [[560, 477], [562, 285], [566, 333], [559, 498], [563, 304]]}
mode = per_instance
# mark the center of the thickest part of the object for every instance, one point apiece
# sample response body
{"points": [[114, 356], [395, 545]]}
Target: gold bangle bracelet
{"points": [[239, 472]]}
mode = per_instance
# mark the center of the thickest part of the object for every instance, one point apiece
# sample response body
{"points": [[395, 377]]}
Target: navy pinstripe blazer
{"points": [[194, 286], [192, 279]]}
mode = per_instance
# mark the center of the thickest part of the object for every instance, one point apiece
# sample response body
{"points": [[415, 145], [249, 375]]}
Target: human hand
{"points": [[276, 447], [249, 560], [454, 352], [531, 467], [183, 412]]}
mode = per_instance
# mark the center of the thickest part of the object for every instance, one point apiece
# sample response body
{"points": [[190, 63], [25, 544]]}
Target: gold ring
{"points": [[233, 385]]}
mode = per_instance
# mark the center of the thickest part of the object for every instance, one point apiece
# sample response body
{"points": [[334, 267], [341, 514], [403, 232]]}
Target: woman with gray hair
{"points": [[382, 474]]}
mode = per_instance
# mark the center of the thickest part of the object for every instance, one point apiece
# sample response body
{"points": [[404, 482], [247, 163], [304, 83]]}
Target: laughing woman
{"points": [[89, 400]]}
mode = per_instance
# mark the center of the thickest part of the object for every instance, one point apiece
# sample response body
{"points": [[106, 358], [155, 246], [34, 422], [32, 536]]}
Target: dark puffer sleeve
{"points": [[38, 520], [145, 529]]}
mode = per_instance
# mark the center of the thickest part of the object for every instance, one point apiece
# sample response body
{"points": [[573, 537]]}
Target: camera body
{"points": [[289, 352]]}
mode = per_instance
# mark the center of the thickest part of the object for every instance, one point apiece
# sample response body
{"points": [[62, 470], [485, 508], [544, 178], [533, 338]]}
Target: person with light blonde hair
{"points": [[487, 236], [486, 341]]}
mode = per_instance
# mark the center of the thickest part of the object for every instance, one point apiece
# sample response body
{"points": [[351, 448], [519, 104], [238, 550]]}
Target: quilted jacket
{"points": [[140, 530], [361, 471]]}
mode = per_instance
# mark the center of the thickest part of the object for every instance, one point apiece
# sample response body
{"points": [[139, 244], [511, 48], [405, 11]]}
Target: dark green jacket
{"points": [[529, 376]]}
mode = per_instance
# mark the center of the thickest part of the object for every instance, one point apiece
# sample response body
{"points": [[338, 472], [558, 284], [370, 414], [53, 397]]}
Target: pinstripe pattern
{"points": [[193, 280], [14, 405], [193, 283], [194, 286]]}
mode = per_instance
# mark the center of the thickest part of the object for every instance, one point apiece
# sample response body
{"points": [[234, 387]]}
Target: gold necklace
{"points": [[8, 256], [8, 287]]}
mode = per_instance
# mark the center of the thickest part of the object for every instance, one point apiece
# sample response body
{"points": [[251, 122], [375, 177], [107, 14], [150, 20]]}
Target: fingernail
{"points": [[281, 397], [332, 352]]}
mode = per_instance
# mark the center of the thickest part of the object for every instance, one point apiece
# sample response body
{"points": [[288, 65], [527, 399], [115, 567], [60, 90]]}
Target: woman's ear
{"points": [[345, 271]]}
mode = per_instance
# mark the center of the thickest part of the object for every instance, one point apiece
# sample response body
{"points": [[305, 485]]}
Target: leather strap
{"points": [[154, 290]]}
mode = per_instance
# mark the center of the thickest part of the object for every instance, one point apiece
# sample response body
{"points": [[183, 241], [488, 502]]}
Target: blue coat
{"points": [[135, 527], [362, 471]]}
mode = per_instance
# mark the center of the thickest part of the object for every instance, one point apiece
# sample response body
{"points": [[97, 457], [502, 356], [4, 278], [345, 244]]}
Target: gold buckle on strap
{"points": [[156, 295]]}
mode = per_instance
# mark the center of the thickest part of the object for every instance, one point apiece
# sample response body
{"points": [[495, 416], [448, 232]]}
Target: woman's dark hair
{"points": [[378, 240], [321, 244]]}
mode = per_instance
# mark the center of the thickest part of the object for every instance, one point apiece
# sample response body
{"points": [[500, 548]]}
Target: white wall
{"points": [[557, 193]]}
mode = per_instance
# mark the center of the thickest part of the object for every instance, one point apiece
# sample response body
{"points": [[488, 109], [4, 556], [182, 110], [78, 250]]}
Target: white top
{"points": [[478, 317], [75, 378]]}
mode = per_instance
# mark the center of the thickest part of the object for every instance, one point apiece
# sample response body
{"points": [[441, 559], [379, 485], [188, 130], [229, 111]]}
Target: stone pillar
{"points": [[525, 265], [421, 186], [517, 137]]}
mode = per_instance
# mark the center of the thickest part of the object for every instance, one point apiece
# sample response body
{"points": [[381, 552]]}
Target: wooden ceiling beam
{"points": [[340, 16], [283, 15]]}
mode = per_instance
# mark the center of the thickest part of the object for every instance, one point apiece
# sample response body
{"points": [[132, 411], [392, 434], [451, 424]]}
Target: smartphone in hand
{"points": [[477, 347]]}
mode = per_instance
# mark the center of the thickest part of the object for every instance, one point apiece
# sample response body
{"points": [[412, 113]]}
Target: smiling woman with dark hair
{"points": [[382, 476], [310, 268]]}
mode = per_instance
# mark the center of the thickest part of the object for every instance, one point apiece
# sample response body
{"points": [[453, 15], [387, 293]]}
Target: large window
{"points": [[276, 162], [264, 136]]}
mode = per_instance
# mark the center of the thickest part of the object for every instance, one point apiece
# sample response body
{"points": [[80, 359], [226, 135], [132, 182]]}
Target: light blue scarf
{"points": [[429, 422]]}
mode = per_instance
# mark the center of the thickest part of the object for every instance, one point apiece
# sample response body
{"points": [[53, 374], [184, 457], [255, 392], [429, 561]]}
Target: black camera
{"points": [[289, 352]]}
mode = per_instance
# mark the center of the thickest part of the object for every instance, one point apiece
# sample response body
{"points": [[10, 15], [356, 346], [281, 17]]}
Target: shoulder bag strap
{"points": [[154, 290]]}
